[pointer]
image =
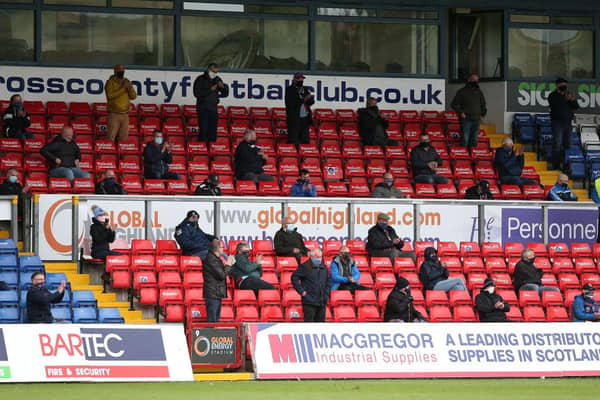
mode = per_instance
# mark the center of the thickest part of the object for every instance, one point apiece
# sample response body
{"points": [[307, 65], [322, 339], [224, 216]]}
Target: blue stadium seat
{"points": [[62, 314], [8, 262], [66, 300], [524, 127], [110, 316], [9, 298], [577, 170], [31, 264], [23, 298], [9, 315], [53, 279], [8, 246], [84, 298], [545, 142], [25, 280], [542, 119], [10, 278], [85, 315]]}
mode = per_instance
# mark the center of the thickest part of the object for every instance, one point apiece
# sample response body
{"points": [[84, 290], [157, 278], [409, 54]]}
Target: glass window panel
{"points": [[573, 20], [550, 53], [379, 48], [17, 1], [165, 4], [408, 14], [98, 3], [261, 9], [108, 39], [530, 19], [237, 43], [347, 12], [16, 35]]}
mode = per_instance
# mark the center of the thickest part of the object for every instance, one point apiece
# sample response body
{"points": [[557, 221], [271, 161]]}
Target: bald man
{"points": [[288, 242], [119, 93], [312, 281], [64, 156], [561, 190]]}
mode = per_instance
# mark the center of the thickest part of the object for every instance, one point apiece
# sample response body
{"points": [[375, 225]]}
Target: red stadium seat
{"points": [[584, 264], [539, 249], [271, 313], [502, 279], [509, 296], [495, 264], [464, 313], [440, 314], [491, 249], [580, 250], [290, 298], [534, 314], [344, 314], [243, 297], [529, 298], [269, 298], [460, 297], [193, 279], [513, 249], [368, 313], [562, 264], [59, 185], [190, 263], [341, 297], [473, 264], [557, 314], [83, 185], [511, 192], [551, 298], [436, 298]]}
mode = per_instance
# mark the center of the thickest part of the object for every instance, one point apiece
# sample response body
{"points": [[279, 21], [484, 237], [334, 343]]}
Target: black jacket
{"points": [[294, 99], [470, 100], [472, 193], [484, 302], [400, 305], [215, 273], [561, 109], [156, 160], [103, 187], [12, 124], [526, 272], [7, 188], [38, 304], [67, 152], [432, 272], [102, 236], [315, 281], [191, 238], [284, 243], [421, 155], [371, 127], [379, 239], [205, 98], [247, 159], [507, 163], [207, 189]]}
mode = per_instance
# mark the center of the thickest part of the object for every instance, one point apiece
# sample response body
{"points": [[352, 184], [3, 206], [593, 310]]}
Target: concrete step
{"points": [[93, 288], [60, 267], [582, 194], [530, 156], [105, 297]]}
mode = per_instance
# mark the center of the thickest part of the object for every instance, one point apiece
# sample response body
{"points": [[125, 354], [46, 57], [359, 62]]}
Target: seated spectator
{"points": [[157, 157], [288, 242], [210, 186], [434, 275], [102, 234], [399, 306], [527, 276], [64, 156], [561, 191], [191, 239], [386, 188], [509, 164], [585, 307], [39, 299], [481, 191], [372, 126], [109, 184], [303, 187], [16, 120], [382, 241], [424, 159], [11, 185], [489, 304], [249, 160], [247, 273], [344, 272]]}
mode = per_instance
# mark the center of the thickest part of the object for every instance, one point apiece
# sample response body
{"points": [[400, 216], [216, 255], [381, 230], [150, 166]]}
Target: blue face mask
{"points": [[316, 261], [13, 179], [434, 258], [158, 140], [291, 227], [389, 183], [110, 181], [383, 225]]}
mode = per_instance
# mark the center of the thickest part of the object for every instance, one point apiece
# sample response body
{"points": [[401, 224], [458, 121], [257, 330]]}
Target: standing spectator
{"points": [[386, 189], [119, 93], [399, 306], [561, 191], [424, 159], [490, 305], [109, 184], [16, 120], [39, 299], [434, 275], [191, 239], [11, 185], [585, 307], [157, 157], [481, 191], [215, 272], [509, 163], [527, 276], [102, 234], [562, 108], [303, 187], [382, 241], [64, 156], [469, 103], [249, 159], [372, 126], [298, 100], [210, 186], [247, 273], [288, 242], [312, 281], [208, 87], [344, 272]]}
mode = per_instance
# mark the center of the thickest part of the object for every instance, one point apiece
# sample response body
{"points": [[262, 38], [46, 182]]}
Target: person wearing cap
{"points": [[208, 87], [102, 234], [491, 305], [210, 186], [386, 189], [399, 306], [585, 306], [344, 272], [434, 274], [561, 190], [562, 108], [288, 242], [382, 241], [372, 126], [109, 184], [191, 239], [298, 100], [481, 191], [527, 276]]}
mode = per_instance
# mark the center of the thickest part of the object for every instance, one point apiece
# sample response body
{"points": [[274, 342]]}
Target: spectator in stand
{"points": [[210, 186], [39, 299], [288, 242], [434, 274], [469, 103], [372, 126], [562, 108], [191, 239], [16, 120], [208, 87], [489, 304], [561, 191], [585, 307], [382, 241], [344, 272], [481, 191], [527, 276], [424, 159], [109, 184], [102, 234], [386, 189], [249, 160], [64, 156], [509, 164], [215, 272], [297, 107], [157, 157], [303, 187], [11, 185], [312, 281], [399, 306], [119, 93], [247, 273]]}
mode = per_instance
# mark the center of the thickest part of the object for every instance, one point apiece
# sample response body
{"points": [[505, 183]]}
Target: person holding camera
{"points": [[303, 187], [102, 234], [208, 87], [561, 190], [157, 157], [562, 108], [119, 93], [15, 119]]}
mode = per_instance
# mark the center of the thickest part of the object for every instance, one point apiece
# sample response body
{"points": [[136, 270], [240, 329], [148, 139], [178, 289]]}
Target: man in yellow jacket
{"points": [[119, 93]]}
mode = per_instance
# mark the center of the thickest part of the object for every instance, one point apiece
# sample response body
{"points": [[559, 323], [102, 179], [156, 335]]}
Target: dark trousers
{"points": [[299, 133], [213, 309], [313, 313], [352, 286], [517, 180], [101, 254], [207, 121], [252, 283], [470, 132], [159, 175], [561, 138]]}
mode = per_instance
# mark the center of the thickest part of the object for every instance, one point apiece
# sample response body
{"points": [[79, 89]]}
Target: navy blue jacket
{"points": [[38, 304], [247, 159], [156, 160], [191, 238], [431, 272], [315, 281], [507, 163]]}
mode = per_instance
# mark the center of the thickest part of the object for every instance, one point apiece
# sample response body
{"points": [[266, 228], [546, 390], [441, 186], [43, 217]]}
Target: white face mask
{"points": [[212, 75], [490, 289]]}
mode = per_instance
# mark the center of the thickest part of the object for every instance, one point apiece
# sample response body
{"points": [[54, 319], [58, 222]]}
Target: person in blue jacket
{"points": [[561, 191], [192, 240], [585, 307], [344, 272], [303, 187]]}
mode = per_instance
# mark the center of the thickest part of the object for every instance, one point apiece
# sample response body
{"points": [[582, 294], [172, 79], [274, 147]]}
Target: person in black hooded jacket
{"points": [[491, 306], [102, 235], [481, 191], [399, 306], [372, 126], [434, 275], [208, 87]]}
